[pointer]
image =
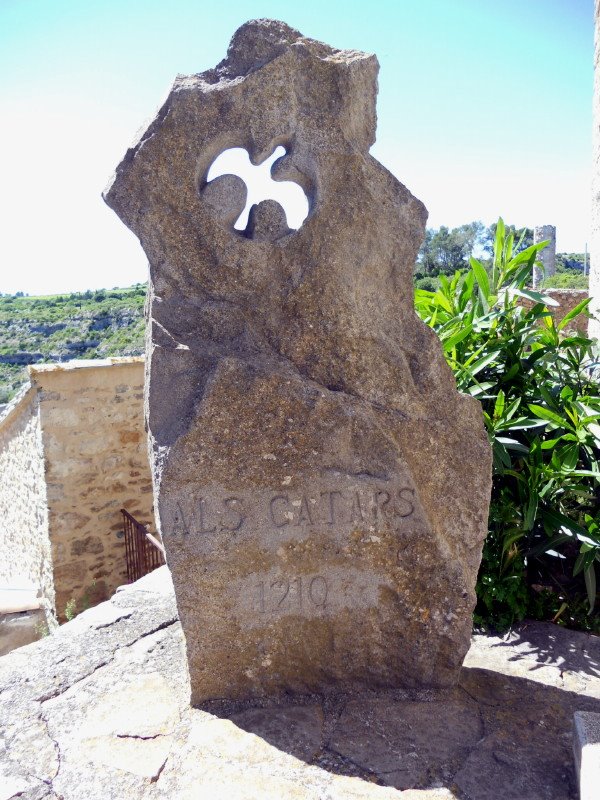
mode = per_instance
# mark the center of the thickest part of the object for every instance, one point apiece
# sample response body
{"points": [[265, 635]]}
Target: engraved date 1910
{"points": [[295, 595]]}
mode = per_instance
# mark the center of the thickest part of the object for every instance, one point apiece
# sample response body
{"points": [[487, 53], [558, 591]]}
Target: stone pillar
{"points": [[594, 327], [548, 255], [321, 487]]}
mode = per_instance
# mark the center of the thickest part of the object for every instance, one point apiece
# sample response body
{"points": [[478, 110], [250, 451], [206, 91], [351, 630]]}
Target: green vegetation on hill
{"points": [[92, 324]]}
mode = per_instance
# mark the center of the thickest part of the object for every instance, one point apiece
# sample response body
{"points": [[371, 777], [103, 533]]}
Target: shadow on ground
{"points": [[548, 645], [494, 736]]}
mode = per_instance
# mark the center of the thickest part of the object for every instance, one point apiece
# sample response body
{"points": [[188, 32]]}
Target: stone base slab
{"points": [[504, 731]]}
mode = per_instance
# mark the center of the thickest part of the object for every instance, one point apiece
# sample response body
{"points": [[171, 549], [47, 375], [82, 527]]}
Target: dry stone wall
{"points": [[567, 299], [24, 543], [94, 443]]}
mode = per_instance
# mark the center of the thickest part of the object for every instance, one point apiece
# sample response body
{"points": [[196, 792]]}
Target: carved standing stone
{"points": [[321, 487]]}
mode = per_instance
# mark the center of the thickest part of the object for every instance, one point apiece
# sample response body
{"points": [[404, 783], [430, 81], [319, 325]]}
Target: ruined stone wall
{"points": [[24, 543], [567, 299], [96, 463]]}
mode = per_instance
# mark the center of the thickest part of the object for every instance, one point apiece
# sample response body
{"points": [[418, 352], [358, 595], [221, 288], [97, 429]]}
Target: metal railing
{"points": [[143, 551]]}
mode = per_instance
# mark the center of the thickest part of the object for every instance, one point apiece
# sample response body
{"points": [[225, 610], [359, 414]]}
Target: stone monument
{"points": [[321, 486]]}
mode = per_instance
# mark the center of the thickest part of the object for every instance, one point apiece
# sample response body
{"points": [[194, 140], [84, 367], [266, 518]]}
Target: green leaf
{"points": [[574, 313], [535, 296], [513, 444], [441, 300], [531, 511], [500, 456], [569, 456], [545, 413], [511, 374], [521, 424], [457, 337], [479, 388], [512, 409], [558, 520], [499, 405], [482, 363], [589, 575], [550, 544], [483, 282], [548, 444]]}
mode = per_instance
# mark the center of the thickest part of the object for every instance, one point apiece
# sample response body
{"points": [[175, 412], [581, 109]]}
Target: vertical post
{"points": [[594, 325], [142, 552]]}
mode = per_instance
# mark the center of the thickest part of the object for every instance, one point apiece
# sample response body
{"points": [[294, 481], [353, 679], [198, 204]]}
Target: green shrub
{"points": [[542, 413], [566, 280], [429, 284], [71, 609]]}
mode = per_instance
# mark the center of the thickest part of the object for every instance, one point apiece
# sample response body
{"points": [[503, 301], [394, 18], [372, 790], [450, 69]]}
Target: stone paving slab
{"points": [[104, 704], [586, 749]]}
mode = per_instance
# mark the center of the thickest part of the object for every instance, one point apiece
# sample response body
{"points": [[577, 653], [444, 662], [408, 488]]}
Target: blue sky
{"points": [[484, 109]]}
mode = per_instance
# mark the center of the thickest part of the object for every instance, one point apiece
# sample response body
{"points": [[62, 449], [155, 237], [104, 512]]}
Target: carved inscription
{"points": [[295, 595], [366, 507], [229, 517]]}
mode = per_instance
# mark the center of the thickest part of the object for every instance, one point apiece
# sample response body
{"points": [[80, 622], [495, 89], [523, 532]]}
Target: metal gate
{"points": [[143, 552]]}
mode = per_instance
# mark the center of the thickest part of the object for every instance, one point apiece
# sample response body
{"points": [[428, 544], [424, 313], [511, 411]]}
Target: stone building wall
{"points": [[24, 542], [92, 419]]}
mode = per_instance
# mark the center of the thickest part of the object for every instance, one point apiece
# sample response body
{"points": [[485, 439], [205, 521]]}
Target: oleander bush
{"points": [[540, 395]]}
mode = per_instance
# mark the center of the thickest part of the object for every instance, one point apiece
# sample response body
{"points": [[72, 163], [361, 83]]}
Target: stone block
{"points": [[21, 628], [586, 749], [89, 545]]}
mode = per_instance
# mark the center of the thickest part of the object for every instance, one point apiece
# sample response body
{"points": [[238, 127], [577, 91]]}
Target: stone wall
{"points": [[567, 299], [92, 419], [24, 543]]}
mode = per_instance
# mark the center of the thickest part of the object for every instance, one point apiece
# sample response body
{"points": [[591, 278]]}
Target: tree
{"points": [[489, 237], [446, 250], [569, 262]]}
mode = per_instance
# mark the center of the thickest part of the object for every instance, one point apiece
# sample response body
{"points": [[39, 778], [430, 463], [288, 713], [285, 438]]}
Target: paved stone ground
{"points": [[100, 710]]}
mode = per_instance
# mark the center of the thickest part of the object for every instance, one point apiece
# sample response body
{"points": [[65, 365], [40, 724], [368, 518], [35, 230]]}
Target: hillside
{"points": [[93, 324]]}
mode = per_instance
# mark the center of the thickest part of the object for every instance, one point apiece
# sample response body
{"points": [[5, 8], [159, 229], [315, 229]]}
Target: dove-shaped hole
{"points": [[260, 185]]}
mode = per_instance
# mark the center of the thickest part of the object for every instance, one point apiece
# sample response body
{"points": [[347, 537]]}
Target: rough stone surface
{"points": [[586, 749], [73, 452], [103, 704], [96, 463], [321, 486], [25, 558], [21, 628]]}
